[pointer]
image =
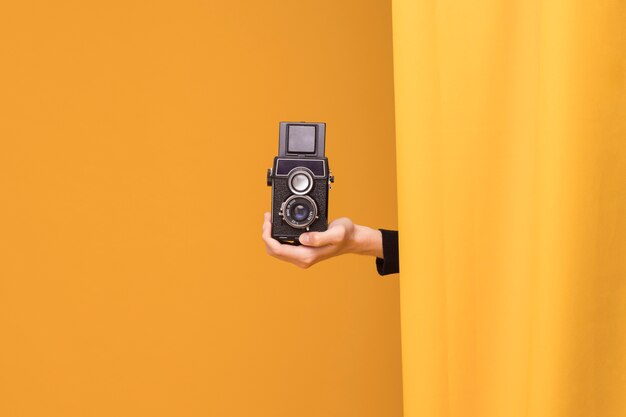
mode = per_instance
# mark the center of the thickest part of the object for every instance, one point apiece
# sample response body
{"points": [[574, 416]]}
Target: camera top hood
{"points": [[302, 139]]}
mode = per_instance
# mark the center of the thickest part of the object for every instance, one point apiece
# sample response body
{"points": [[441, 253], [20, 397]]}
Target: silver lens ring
{"points": [[300, 181], [308, 213]]}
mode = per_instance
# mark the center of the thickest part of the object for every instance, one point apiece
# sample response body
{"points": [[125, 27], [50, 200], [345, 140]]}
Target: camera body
{"points": [[300, 179]]}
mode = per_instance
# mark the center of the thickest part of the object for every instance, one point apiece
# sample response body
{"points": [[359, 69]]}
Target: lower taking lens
{"points": [[300, 212]]}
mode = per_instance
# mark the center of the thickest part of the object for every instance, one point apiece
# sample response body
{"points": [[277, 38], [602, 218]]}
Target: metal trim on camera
{"points": [[304, 211], [300, 181]]}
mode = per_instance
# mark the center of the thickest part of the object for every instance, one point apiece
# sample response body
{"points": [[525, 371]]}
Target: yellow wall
{"points": [[134, 138], [511, 132]]}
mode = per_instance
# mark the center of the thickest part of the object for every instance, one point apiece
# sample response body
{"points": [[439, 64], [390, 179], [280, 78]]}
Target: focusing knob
{"points": [[269, 177]]}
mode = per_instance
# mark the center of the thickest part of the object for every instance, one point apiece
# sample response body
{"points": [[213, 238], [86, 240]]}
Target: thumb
{"points": [[317, 239]]}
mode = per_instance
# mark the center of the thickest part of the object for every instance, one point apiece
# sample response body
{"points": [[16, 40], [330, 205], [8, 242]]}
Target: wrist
{"points": [[366, 241]]}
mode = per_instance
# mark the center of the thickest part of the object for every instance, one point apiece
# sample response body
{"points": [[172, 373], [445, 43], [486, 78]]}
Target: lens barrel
{"points": [[299, 211]]}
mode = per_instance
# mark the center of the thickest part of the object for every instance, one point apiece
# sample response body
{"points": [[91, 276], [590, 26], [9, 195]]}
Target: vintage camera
{"points": [[300, 180]]}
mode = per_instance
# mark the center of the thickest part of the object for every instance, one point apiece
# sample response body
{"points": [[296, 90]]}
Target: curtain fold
{"points": [[511, 158]]}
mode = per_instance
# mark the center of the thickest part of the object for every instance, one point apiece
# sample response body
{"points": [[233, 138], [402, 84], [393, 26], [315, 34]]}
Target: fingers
{"points": [[300, 256], [272, 246], [332, 236], [303, 256]]}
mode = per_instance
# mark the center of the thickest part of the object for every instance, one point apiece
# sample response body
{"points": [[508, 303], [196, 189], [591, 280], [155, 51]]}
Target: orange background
{"points": [[134, 139]]}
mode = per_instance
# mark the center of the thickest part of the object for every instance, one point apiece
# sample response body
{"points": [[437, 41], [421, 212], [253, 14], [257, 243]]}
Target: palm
{"points": [[320, 246]]}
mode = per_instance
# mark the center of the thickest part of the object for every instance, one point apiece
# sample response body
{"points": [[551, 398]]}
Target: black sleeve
{"points": [[390, 264]]}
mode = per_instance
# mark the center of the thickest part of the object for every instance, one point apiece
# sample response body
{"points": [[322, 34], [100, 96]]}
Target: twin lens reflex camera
{"points": [[300, 180]]}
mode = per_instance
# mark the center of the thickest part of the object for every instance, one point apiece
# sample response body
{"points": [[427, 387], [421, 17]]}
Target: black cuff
{"points": [[390, 264]]}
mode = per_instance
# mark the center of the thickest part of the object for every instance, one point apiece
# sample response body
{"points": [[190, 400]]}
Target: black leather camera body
{"points": [[300, 179]]}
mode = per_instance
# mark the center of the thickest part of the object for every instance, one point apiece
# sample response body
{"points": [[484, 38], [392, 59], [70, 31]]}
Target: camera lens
{"points": [[300, 212], [300, 181]]}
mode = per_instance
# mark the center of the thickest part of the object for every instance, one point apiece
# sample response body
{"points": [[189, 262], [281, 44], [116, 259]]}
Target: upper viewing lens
{"points": [[300, 182]]}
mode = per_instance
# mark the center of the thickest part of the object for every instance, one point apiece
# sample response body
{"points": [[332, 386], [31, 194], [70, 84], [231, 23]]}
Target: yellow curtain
{"points": [[511, 153]]}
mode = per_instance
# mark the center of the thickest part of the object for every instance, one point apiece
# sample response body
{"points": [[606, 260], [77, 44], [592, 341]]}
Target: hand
{"points": [[342, 236]]}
